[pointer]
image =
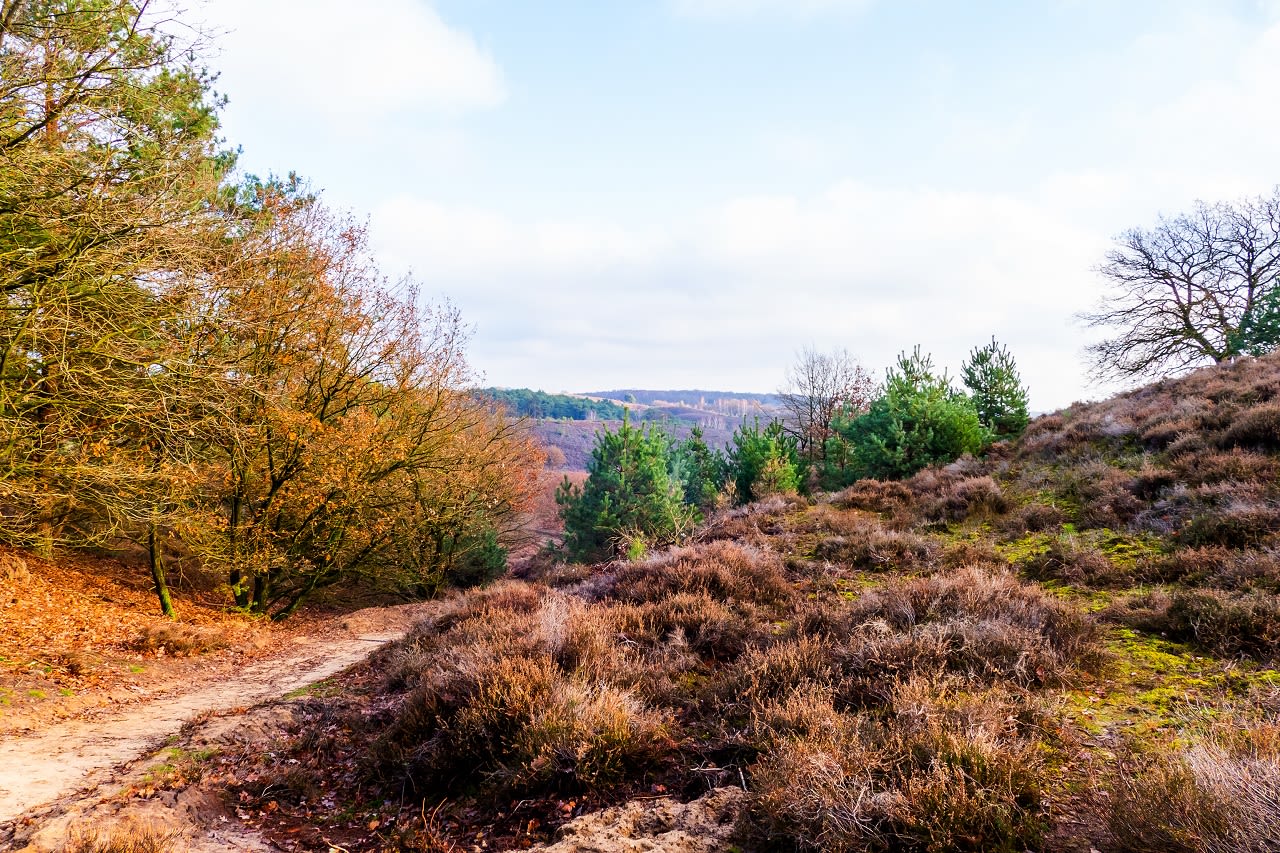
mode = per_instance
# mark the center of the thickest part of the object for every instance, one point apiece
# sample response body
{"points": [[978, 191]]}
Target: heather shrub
{"points": [[968, 497], [1238, 524], [709, 627], [725, 571], [873, 547], [1220, 794], [1033, 518], [925, 777], [986, 623], [1257, 428], [1225, 623], [1236, 465], [520, 725], [1073, 561], [1216, 566], [883, 496]]}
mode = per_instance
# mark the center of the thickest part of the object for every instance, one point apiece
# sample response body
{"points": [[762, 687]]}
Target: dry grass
{"points": [[126, 839], [1218, 794], [935, 773]]}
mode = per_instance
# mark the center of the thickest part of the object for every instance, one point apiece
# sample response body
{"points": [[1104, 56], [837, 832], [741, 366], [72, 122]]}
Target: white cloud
{"points": [[348, 63], [746, 8], [725, 298]]}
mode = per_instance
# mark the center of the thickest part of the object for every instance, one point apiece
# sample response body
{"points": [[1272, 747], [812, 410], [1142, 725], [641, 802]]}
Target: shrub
{"points": [[1224, 623], [1240, 524], [1217, 795], [1257, 428], [962, 499], [1061, 637], [127, 839], [519, 725], [929, 780], [1068, 559], [1236, 465], [883, 496], [872, 546], [175, 638], [1033, 518], [725, 571]]}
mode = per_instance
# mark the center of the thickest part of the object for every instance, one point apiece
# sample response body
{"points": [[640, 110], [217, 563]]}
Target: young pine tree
{"points": [[920, 420], [997, 390], [629, 501], [763, 461]]}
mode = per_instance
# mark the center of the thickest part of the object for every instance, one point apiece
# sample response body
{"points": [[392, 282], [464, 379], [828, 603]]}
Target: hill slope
{"points": [[1066, 645]]}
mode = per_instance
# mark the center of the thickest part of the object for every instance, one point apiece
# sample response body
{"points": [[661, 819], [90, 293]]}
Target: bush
{"points": [[1218, 795], [928, 778], [883, 496], [964, 498], [725, 571], [1031, 635], [1257, 428], [1033, 518], [1069, 560], [1224, 623], [871, 546], [1240, 524]]}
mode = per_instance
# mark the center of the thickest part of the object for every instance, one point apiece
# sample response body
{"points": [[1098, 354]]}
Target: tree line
{"points": [[644, 489], [209, 366], [525, 403]]}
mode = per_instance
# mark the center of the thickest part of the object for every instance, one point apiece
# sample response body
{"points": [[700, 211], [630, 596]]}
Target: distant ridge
{"points": [[686, 396]]}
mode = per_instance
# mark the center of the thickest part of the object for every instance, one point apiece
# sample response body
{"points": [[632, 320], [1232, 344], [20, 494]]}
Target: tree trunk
{"points": [[157, 573]]}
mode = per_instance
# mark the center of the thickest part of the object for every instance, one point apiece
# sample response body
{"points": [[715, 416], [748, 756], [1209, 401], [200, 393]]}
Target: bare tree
{"points": [[1186, 292], [819, 387]]}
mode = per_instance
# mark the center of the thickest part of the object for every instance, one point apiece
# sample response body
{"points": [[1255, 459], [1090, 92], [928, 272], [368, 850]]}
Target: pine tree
{"points": [[998, 393], [629, 502], [763, 461], [920, 420]]}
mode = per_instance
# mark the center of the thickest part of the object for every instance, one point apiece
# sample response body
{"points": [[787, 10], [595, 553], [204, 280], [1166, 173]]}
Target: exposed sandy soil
{"points": [[67, 762]]}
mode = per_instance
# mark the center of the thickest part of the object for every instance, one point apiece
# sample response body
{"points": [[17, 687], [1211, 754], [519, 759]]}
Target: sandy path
{"points": [[78, 755]]}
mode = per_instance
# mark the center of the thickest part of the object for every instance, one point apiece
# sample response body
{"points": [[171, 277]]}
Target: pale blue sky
{"points": [[682, 193]]}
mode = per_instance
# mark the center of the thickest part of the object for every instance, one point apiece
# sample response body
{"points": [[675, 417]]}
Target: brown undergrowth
{"points": [[1022, 652]]}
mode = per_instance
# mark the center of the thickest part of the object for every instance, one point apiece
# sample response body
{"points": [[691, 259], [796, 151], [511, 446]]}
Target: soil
{"points": [[56, 769]]}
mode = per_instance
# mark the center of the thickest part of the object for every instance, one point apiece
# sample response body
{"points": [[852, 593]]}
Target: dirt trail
{"points": [[80, 755]]}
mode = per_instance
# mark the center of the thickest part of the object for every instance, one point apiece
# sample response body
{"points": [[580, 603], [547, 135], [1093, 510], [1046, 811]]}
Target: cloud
{"points": [[748, 8], [726, 297], [349, 63]]}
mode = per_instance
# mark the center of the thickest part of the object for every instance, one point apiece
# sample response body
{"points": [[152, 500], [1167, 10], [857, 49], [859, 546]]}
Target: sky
{"points": [[684, 193]]}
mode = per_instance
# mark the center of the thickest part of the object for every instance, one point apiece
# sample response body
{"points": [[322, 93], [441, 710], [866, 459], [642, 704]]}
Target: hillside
{"points": [[1067, 645]]}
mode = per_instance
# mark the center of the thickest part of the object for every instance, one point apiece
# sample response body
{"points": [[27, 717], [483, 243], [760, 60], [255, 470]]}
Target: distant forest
{"points": [[524, 403], [695, 398]]}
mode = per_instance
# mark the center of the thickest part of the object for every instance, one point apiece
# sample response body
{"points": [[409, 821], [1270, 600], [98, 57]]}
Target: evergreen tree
{"points": [[763, 461], [919, 421], [998, 393], [701, 470], [629, 501], [1259, 331]]}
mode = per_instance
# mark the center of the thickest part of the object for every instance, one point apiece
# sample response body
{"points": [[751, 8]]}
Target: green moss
{"points": [[36, 693]]}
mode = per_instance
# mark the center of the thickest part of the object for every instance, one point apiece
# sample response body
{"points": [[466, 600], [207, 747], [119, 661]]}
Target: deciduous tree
{"points": [[1189, 291]]}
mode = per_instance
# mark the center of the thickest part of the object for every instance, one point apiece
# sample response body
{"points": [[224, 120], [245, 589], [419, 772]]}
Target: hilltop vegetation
{"points": [[1066, 644]]}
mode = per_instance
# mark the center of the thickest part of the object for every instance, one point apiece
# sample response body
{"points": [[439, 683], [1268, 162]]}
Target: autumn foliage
{"points": [[205, 366]]}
